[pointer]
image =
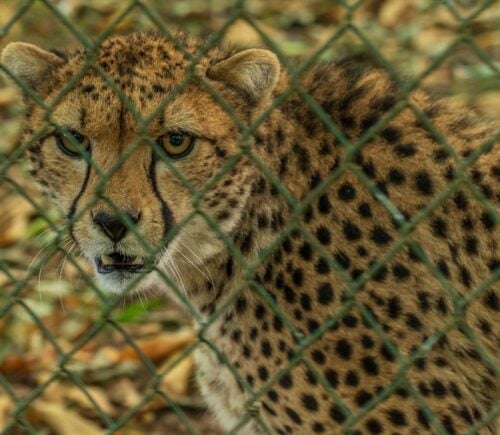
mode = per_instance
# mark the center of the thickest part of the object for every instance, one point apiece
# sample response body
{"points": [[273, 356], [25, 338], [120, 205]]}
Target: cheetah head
{"points": [[137, 153]]}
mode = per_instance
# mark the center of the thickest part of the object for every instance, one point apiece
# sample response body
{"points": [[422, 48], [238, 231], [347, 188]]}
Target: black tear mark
{"points": [[72, 209], [168, 219]]}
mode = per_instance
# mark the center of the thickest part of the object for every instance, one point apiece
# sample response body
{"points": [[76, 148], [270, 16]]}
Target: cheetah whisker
{"points": [[61, 269], [189, 261], [171, 269], [200, 259]]}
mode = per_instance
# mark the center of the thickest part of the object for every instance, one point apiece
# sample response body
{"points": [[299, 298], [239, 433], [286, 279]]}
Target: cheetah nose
{"points": [[113, 225]]}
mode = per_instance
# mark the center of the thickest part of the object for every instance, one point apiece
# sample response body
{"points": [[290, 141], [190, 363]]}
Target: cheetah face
{"points": [[138, 175]]}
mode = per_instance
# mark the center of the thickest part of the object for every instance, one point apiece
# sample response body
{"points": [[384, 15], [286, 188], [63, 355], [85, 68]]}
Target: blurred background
{"points": [[56, 301]]}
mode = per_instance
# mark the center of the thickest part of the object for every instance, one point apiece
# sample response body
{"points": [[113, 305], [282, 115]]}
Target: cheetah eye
{"points": [[66, 141], [176, 144]]}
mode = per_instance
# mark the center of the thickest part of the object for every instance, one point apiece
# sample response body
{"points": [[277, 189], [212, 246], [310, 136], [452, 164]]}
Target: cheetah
{"points": [[352, 276]]}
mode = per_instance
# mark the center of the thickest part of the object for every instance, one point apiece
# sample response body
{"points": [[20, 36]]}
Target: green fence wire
{"points": [[238, 11]]}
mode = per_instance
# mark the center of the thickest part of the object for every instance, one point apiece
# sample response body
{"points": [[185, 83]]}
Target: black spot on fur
{"points": [[370, 366], [363, 397], [343, 260], [305, 251], [310, 403], [443, 267], [325, 293], [346, 192], [391, 134], [351, 231], [423, 183], [351, 378], [343, 349], [337, 414], [323, 235], [380, 236], [369, 121], [318, 357], [439, 228], [396, 177], [332, 377], [397, 417], [324, 205], [286, 381], [303, 157], [293, 415], [263, 373], [400, 272], [394, 307], [405, 150], [492, 301], [88, 88], [488, 221]]}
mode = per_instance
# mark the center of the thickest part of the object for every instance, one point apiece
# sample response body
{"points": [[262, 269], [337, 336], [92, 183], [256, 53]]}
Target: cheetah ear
{"points": [[29, 62], [254, 71]]}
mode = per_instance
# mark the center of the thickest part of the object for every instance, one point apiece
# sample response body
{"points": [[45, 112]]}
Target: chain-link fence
{"points": [[69, 356]]}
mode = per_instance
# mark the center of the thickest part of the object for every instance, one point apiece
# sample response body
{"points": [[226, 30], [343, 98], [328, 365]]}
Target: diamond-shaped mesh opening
{"points": [[117, 365]]}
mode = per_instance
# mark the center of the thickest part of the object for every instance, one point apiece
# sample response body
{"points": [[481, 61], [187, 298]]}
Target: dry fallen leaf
{"points": [[409, 34], [124, 393], [13, 218], [58, 391], [17, 365], [6, 407], [160, 347], [395, 12], [62, 420], [176, 381], [242, 34]]}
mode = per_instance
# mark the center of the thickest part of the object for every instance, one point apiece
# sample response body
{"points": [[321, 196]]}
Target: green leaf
{"points": [[135, 311]]}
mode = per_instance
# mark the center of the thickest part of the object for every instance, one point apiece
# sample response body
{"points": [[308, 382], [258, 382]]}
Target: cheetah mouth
{"points": [[117, 262]]}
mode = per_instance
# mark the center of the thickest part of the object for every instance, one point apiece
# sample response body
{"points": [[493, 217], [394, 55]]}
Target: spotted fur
{"points": [[401, 301]]}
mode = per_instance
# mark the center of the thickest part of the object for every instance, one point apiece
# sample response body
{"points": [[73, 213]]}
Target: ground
{"points": [[57, 302]]}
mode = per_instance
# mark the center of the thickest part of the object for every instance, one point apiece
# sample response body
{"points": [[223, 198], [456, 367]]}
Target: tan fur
{"points": [[353, 229], [28, 62], [255, 71]]}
